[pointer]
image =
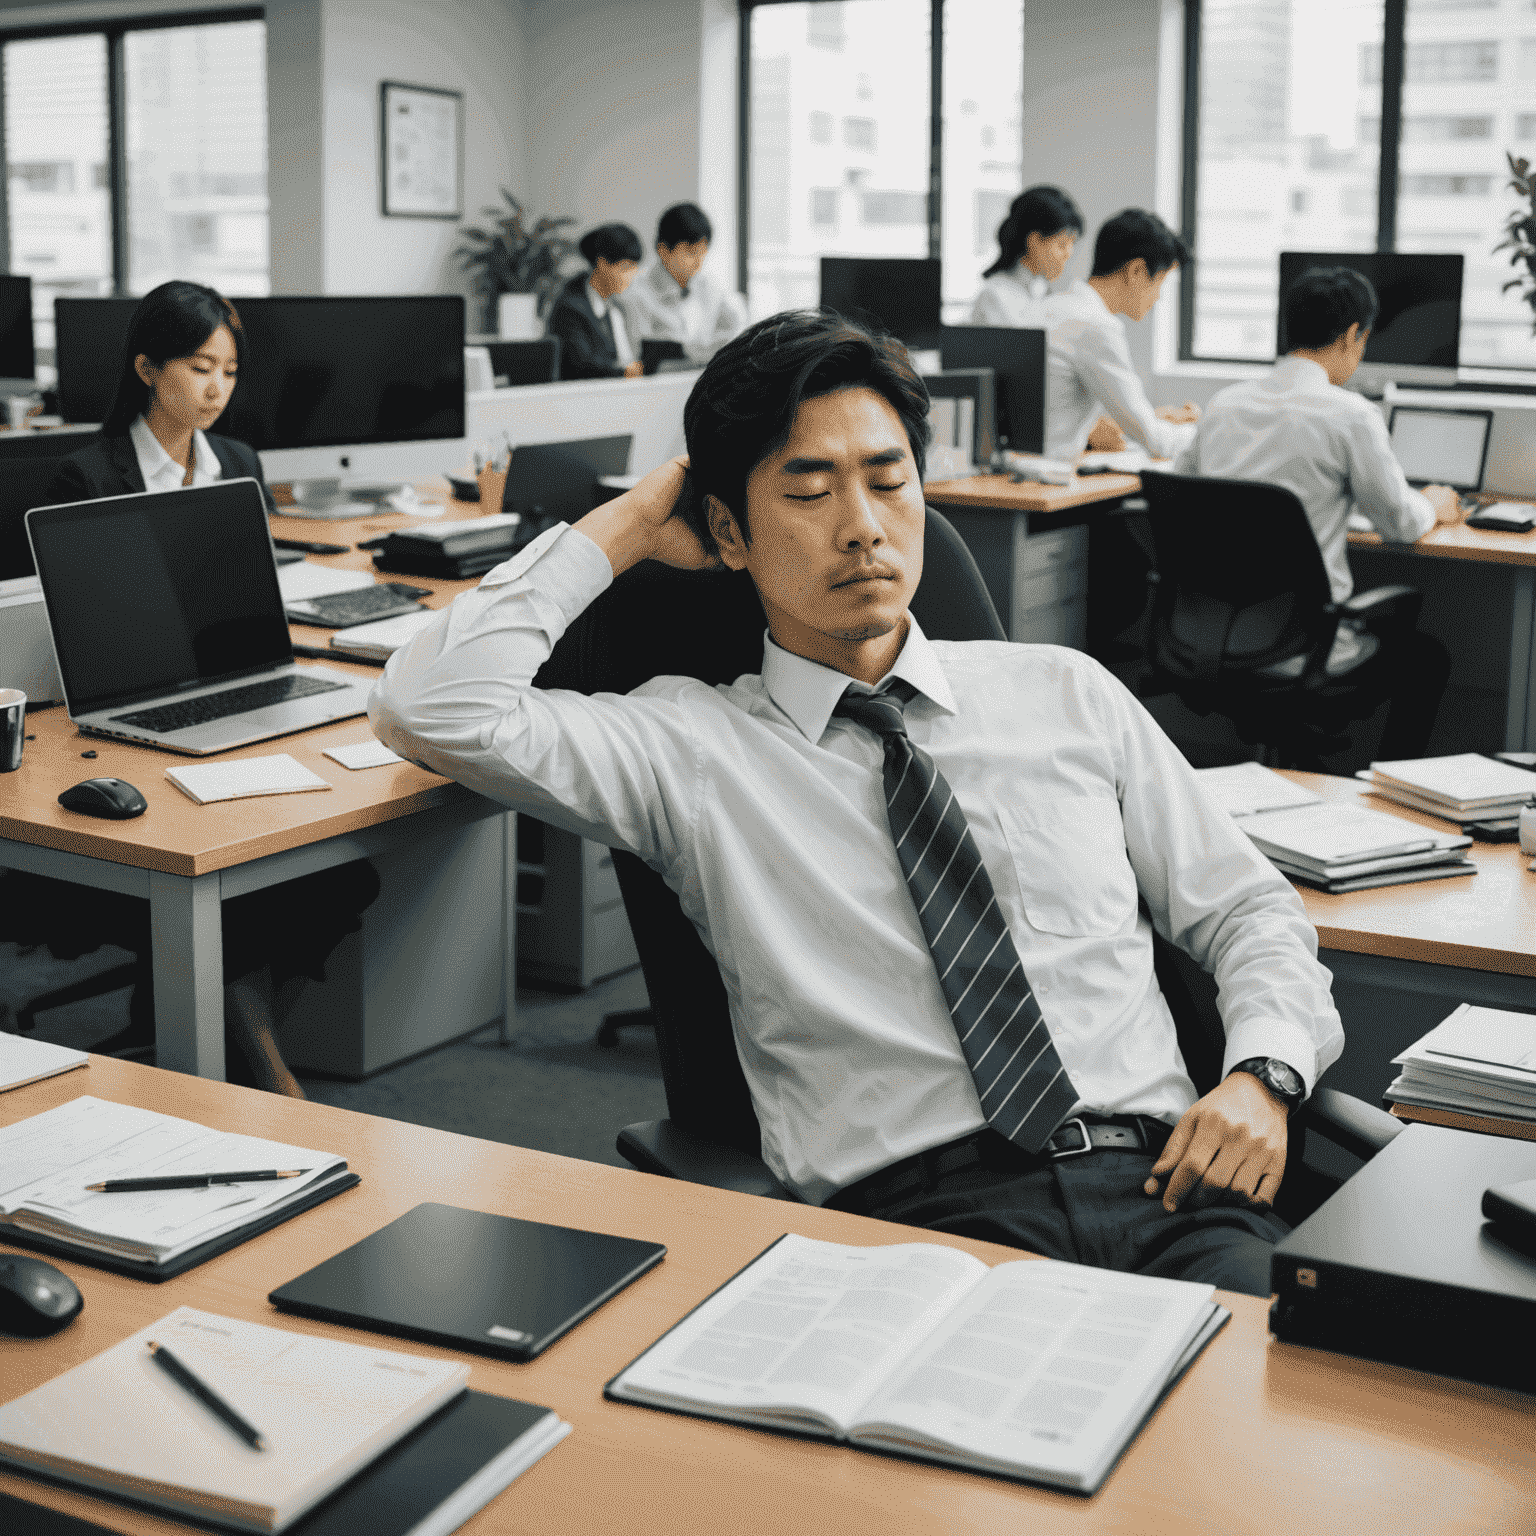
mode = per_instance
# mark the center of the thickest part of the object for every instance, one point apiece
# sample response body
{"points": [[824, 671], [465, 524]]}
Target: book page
{"points": [[805, 1333], [1043, 1370], [324, 1406]]}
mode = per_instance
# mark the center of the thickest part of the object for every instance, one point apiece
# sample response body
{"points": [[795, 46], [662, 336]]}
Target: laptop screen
{"points": [[148, 594], [1441, 447]]}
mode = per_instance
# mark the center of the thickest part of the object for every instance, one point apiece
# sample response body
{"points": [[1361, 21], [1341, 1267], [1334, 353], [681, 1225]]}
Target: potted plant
{"points": [[1520, 234], [516, 268]]}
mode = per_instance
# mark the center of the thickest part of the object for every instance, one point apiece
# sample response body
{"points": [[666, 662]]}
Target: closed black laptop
{"points": [[470, 1279], [1400, 1264]]}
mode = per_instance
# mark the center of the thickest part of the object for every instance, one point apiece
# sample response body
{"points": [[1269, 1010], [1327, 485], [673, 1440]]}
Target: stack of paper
{"points": [[1480, 1061], [383, 637], [1245, 789], [1341, 848], [25, 1060], [242, 777], [1463, 788]]}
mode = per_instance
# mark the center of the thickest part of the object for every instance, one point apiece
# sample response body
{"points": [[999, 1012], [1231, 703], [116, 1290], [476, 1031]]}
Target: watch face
{"points": [[1287, 1079]]}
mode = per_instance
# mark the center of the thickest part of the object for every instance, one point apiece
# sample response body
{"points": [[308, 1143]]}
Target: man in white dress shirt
{"points": [[765, 809], [674, 300], [1088, 370], [1298, 427]]}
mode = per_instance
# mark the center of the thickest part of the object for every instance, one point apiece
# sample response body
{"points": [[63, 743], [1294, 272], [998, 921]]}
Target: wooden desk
{"points": [[1403, 956], [1260, 1437], [998, 493], [186, 858]]}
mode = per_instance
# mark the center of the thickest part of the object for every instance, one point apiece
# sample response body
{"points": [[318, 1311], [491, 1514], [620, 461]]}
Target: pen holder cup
{"points": [[493, 490]]}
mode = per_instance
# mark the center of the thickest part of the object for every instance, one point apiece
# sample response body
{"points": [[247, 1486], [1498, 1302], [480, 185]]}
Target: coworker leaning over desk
{"points": [[1299, 428], [179, 369], [673, 300]]}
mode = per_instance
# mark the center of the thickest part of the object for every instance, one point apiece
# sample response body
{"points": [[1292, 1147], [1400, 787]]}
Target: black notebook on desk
{"points": [[470, 1279]]}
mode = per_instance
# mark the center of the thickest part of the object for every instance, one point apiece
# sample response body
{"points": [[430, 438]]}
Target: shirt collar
{"points": [[597, 301], [808, 692], [1031, 282], [667, 287], [154, 461], [1300, 373]]}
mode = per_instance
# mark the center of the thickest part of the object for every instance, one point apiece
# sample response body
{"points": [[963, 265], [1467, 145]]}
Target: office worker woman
{"points": [[594, 341], [181, 364], [179, 369], [1035, 243]]}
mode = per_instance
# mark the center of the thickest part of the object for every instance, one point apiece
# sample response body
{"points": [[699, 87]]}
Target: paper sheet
{"points": [[363, 754], [278, 774], [1244, 789], [305, 579], [25, 1060]]}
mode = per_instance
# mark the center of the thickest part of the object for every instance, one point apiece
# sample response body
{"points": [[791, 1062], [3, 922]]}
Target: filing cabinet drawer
{"points": [[1049, 589], [1035, 552], [1065, 624]]}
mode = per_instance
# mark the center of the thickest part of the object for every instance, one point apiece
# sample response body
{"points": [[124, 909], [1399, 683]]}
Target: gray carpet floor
{"points": [[549, 1087]]}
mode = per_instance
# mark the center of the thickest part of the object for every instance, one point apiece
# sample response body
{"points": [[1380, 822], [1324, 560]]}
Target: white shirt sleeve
{"points": [[988, 309], [459, 699], [1103, 363], [1211, 892], [1377, 483]]}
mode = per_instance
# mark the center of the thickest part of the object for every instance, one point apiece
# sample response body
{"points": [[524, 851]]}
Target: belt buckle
{"points": [[1057, 1154]]}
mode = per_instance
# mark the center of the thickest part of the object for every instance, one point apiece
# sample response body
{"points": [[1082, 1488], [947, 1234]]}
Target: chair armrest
{"points": [[1350, 1123], [1385, 605], [661, 1146]]}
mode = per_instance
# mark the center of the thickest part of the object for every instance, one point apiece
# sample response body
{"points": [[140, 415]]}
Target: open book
{"points": [[1035, 1370]]}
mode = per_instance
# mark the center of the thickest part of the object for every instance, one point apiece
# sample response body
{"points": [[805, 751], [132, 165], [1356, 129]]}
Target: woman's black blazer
{"points": [[108, 466], [586, 350]]}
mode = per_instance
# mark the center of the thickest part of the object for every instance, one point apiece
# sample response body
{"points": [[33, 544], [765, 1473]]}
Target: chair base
{"points": [[607, 1036]]}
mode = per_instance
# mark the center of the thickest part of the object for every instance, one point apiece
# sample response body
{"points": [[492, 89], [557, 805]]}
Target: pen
{"points": [[205, 1395], [321, 653], [193, 1180]]}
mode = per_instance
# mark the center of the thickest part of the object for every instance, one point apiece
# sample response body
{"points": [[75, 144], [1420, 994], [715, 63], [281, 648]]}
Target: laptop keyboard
{"points": [[166, 718]]}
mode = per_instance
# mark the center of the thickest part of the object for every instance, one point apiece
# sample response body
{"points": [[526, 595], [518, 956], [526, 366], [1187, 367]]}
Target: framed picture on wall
{"points": [[421, 151]]}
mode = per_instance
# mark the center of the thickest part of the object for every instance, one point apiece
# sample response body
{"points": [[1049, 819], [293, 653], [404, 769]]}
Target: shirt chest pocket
{"points": [[1072, 869]]}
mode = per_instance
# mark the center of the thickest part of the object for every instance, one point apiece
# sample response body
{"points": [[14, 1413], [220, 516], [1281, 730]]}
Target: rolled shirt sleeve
{"points": [[1378, 485]]}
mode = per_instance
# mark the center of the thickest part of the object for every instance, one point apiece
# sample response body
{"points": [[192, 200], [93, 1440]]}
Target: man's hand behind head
{"points": [[647, 523]]}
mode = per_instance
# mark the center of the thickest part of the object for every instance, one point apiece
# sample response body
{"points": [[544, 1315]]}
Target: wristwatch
{"points": [[1282, 1081]]}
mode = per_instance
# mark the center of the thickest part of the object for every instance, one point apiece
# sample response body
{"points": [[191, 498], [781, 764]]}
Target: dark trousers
{"points": [[1091, 1210]]}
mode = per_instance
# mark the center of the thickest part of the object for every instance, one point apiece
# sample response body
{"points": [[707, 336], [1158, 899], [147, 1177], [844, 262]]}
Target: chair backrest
{"points": [[657, 622], [1240, 579], [24, 482], [526, 362]]}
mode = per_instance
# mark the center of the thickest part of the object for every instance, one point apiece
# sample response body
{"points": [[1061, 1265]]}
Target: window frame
{"points": [[115, 32]]}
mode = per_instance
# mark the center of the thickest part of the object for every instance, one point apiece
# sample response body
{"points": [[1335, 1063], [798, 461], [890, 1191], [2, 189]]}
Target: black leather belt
{"points": [[1076, 1137]]}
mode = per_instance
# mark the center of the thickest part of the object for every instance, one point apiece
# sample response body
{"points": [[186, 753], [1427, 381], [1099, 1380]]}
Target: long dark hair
{"points": [[173, 320], [1046, 211]]}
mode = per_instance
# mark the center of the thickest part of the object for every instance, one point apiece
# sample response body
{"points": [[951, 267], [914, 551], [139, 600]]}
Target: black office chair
{"points": [[654, 622], [526, 362], [28, 463], [1239, 588]]}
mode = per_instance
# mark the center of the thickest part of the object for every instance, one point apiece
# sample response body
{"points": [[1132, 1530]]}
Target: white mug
{"points": [[1528, 828]]}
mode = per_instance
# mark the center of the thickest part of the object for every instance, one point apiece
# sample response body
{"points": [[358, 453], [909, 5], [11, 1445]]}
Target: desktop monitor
{"points": [[1016, 357], [886, 293], [17, 359], [1441, 447], [89, 336], [1417, 334]]}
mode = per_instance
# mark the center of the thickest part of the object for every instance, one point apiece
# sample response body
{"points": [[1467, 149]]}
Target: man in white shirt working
{"points": [[674, 300], [1088, 370], [920, 865], [1298, 427]]}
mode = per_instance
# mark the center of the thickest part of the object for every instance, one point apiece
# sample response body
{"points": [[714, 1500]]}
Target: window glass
{"points": [[983, 147], [1453, 187], [60, 211], [196, 108], [861, 191], [1287, 154]]}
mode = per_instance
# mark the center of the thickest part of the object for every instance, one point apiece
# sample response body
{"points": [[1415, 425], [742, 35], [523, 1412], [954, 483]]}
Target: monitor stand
{"points": [[324, 500]]}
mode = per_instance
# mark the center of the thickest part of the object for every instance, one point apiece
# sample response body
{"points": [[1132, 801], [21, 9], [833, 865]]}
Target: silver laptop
{"points": [[1438, 446], [168, 622]]}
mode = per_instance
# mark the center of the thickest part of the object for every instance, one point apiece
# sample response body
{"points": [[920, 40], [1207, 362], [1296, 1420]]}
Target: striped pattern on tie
{"points": [[1025, 1091]]}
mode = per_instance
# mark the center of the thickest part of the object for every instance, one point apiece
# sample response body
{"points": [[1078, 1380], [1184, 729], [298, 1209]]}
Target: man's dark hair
{"points": [[743, 406], [173, 320], [1044, 210], [613, 242], [683, 224], [1323, 303], [1134, 232]]}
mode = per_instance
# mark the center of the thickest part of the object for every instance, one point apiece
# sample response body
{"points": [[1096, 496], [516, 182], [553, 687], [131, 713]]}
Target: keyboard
{"points": [[340, 610], [184, 713]]}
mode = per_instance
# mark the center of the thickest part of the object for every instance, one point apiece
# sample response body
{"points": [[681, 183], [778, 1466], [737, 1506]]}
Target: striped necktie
{"points": [[1025, 1091]]}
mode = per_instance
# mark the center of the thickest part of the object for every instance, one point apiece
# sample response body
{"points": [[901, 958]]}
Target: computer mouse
{"points": [[35, 1298], [104, 797]]}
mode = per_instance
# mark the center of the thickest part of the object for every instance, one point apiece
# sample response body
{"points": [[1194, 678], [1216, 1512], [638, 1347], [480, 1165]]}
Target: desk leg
{"points": [[508, 926], [189, 973], [1520, 711]]}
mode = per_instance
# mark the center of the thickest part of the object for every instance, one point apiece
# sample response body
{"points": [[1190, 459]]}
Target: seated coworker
{"points": [[1298, 427], [899, 1062], [594, 340], [673, 300], [179, 370], [1035, 243], [1088, 371]]}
